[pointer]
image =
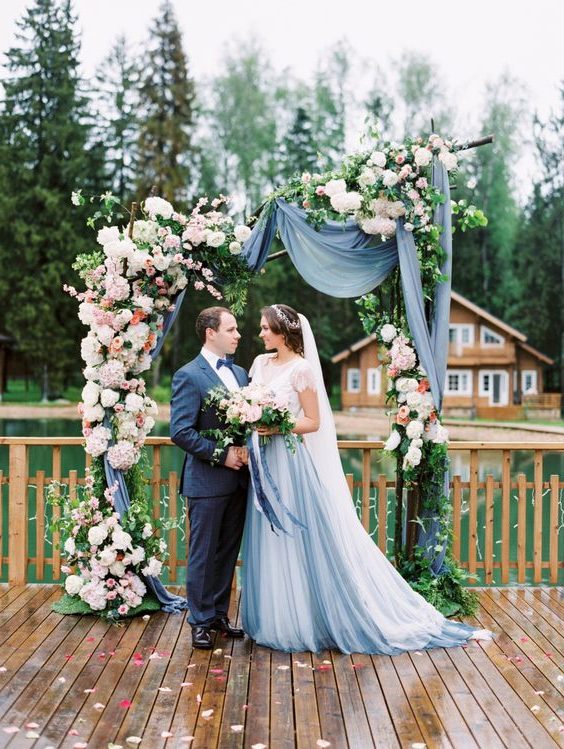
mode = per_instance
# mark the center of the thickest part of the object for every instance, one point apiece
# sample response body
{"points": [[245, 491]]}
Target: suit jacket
{"points": [[190, 386]]}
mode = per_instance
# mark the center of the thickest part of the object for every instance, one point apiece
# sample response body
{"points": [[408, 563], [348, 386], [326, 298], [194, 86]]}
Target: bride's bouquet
{"points": [[245, 410]]}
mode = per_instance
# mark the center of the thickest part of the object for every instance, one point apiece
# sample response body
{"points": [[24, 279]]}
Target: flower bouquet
{"points": [[245, 410]]}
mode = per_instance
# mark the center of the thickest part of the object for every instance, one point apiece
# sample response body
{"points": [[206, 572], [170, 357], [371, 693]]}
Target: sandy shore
{"points": [[360, 424]]}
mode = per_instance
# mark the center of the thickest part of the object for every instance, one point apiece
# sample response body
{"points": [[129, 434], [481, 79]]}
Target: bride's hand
{"points": [[267, 431]]}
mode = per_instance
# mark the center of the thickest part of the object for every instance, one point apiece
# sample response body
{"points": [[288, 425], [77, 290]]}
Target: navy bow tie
{"points": [[224, 363]]}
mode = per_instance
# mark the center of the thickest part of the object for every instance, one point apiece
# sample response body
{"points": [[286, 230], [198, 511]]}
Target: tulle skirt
{"points": [[328, 585]]}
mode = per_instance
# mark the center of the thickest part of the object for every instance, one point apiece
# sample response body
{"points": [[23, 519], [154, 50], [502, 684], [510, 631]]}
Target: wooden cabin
{"points": [[492, 371]]}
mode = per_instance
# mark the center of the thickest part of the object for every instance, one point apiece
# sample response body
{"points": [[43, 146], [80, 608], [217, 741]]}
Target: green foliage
{"points": [[447, 592], [74, 605]]}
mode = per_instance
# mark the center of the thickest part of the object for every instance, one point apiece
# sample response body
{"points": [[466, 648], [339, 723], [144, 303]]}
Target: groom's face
{"points": [[225, 339]]}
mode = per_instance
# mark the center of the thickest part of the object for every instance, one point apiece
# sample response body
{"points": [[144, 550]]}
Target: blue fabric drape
{"points": [[170, 603], [342, 261]]}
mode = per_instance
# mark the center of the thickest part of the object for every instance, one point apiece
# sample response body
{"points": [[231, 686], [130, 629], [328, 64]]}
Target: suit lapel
{"points": [[240, 376], [208, 370]]}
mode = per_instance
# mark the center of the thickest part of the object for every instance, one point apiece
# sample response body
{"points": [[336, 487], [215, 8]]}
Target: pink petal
{"points": [[90, 639], [166, 734], [11, 729], [89, 691], [125, 703], [524, 639], [73, 732], [80, 745], [99, 706], [216, 670], [32, 725]]}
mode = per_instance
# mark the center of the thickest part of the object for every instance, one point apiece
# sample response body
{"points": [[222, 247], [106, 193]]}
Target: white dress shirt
{"points": [[224, 373]]}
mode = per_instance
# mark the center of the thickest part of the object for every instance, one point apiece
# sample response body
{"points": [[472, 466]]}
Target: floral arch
{"points": [[378, 228]]}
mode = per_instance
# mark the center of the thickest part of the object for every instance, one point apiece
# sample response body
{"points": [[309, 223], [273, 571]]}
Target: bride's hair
{"points": [[284, 320]]}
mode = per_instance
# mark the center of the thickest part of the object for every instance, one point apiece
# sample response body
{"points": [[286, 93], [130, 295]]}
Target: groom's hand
{"points": [[233, 459]]}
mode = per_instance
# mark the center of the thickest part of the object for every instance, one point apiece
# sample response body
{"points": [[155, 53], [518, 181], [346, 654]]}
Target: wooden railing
{"points": [[505, 527], [543, 400]]}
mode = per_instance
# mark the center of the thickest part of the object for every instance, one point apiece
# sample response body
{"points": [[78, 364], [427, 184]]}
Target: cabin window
{"points": [[489, 338], [458, 382], [353, 380], [374, 380], [529, 381], [460, 334]]}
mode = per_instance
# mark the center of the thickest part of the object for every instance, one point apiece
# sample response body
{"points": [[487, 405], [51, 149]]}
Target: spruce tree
{"points": [[167, 114], [45, 155], [299, 150]]}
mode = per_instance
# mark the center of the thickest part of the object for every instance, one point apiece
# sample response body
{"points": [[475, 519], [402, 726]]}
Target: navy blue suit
{"points": [[216, 494]]}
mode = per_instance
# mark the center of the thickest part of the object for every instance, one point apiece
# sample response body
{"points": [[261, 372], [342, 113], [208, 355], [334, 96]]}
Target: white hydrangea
{"points": [[153, 567], [378, 158], [388, 332], [144, 302], [389, 178], [107, 235], [137, 555], [108, 397], [449, 160], [73, 584], [86, 312], [158, 207], [90, 350], [120, 249], [90, 393], [366, 177], [123, 455], [145, 231], [335, 187], [122, 318], [94, 413], [97, 441], [117, 568], [104, 333], [137, 262], [134, 403], [346, 202], [242, 233], [70, 547], [121, 539], [111, 374], [107, 556]]}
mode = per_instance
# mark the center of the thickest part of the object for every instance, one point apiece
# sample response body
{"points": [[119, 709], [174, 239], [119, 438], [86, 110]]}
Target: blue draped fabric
{"points": [[170, 603], [342, 261]]}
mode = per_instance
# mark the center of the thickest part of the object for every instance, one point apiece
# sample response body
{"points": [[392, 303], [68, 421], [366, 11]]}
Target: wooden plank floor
{"points": [[77, 682]]}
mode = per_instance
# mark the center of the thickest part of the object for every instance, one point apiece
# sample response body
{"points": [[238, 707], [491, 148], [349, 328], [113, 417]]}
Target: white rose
{"points": [[117, 569], [393, 440], [134, 403], [70, 547], [414, 429], [449, 160], [73, 584], [144, 302], [422, 157], [107, 556], [412, 457], [416, 442], [109, 398], [408, 227], [158, 207], [215, 238], [153, 568], [389, 178], [346, 202], [107, 234], [414, 399], [90, 350], [151, 407], [90, 393], [145, 231], [94, 413], [388, 332], [120, 249], [122, 318], [137, 262], [242, 233], [378, 158], [85, 312], [137, 555], [335, 186], [105, 334], [235, 248], [97, 534]]}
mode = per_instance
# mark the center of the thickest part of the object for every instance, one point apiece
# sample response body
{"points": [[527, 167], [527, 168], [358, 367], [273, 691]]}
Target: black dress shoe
{"points": [[221, 624], [201, 637]]}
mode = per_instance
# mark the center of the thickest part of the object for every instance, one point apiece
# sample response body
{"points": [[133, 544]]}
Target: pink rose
{"points": [[320, 190], [400, 158]]}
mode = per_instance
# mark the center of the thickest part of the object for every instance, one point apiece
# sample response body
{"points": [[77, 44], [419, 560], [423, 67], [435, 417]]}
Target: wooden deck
{"points": [[78, 682]]}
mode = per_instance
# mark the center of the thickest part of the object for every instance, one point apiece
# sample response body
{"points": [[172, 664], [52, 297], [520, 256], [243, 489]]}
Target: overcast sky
{"points": [[472, 42]]}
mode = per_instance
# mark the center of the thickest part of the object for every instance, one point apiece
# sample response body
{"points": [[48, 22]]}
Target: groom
{"points": [[216, 491]]}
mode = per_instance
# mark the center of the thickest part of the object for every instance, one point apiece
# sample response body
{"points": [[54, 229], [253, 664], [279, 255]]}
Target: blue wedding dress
{"points": [[324, 584]]}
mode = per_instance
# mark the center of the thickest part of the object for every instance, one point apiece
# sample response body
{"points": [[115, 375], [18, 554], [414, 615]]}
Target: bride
{"points": [[321, 582]]}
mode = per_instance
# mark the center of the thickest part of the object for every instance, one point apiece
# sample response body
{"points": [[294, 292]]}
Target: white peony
{"points": [[215, 238], [390, 178], [449, 160], [153, 567], [242, 233], [414, 399], [117, 569], [346, 202], [122, 318], [393, 440], [97, 534], [235, 248], [366, 177], [158, 207], [134, 403], [73, 584], [107, 556], [108, 234], [422, 156], [388, 332], [335, 186], [90, 393], [120, 249], [121, 539], [86, 312], [90, 350], [137, 555], [378, 158], [412, 457], [109, 398], [414, 429], [144, 302], [104, 333]]}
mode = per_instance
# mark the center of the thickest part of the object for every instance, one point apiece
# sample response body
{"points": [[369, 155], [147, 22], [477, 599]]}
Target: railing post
{"points": [[17, 515]]}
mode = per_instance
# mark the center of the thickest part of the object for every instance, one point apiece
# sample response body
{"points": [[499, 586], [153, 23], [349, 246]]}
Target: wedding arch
{"points": [[378, 229]]}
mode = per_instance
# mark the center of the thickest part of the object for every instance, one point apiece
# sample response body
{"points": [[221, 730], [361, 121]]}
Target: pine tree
{"points": [[167, 114], [117, 81], [299, 149], [45, 155]]}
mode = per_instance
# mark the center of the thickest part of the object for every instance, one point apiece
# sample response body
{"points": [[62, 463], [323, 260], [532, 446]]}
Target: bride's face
{"points": [[271, 340]]}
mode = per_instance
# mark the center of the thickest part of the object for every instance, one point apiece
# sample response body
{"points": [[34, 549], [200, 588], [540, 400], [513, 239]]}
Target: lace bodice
{"points": [[287, 379]]}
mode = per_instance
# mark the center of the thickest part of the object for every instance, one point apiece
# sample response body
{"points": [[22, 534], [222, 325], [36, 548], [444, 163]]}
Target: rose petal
{"points": [[61, 680], [99, 706], [216, 670], [146, 617], [11, 729], [187, 684], [186, 739], [166, 734], [258, 746], [218, 651], [125, 703], [73, 732], [237, 729], [322, 743], [418, 745], [3, 669], [206, 714], [89, 691], [32, 725], [133, 740], [80, 745], [535, 708], [283, 668], [32, 735]]}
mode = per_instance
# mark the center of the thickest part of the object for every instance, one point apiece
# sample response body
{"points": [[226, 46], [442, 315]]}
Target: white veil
{"points": [[322, 445]]}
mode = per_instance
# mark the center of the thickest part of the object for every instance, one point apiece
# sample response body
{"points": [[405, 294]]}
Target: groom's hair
{"points": [[209, 318]]}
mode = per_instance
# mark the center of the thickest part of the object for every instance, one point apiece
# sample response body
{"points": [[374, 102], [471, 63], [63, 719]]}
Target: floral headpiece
{"points": [[281, 315]]}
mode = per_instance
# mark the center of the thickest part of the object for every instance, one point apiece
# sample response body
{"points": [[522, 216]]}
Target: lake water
{"points": [[171, 460]]}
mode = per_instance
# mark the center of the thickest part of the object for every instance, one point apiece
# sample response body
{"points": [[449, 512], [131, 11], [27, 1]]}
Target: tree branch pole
{"points": [[463, 147], [132, 220]]}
